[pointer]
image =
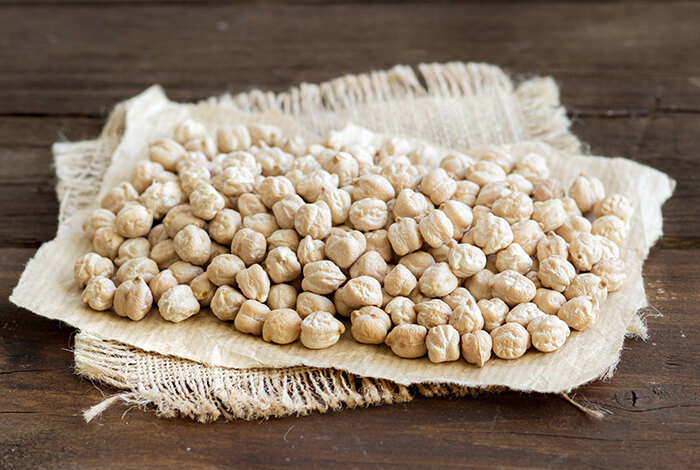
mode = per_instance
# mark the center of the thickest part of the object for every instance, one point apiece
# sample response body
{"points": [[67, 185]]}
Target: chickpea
{"points": [[161, 197], [586, 191], [310, 250], [323, 277], [233, 138], [161, 282], [372, 186], [480, 284], [489, 153], [251, 317], [362, 291], [556, 273], [185, 272], [527, 234], [552, 245], [192, 244], [166, 152], [320, 330], [456, 164], [579, 312], [494, 312], [402, 175], [436, 228], [574, 225], [274, 188], [610, 227], [549, 301], [254, 282], [608, 247], [370, 264], [438, 186], [492, 192], [97, 219], [617, 205], [378, 240], [91, 265], [344, 248], [524, 313], [132, 248], [282, 296], [308, 302], [510, 341], [250, 204], [405, 236], [492, 234], [484, 172], [369, 214], [142, 267], [550, 214], [224, 226], [417, 262], [410, 204], [226, 303], [400, 281], [282, 326], [458, 297], [442, 343], [206, 202], [467, 317], [236, 181], [532, 166], [106, 242], [164, 253], [249, 245], [314, 220], [548, 333], [223, 268], [438, 280], [116, 198], [285, 210], [588, 284], [339, 203], [133, 299], [284, 238], [513, 207], [99, 293], [459, 214], [466, 192], [570, 206], [476, 347], [180, 217], [401, 310], [585, 251], [194, 177], [282, 265], [432, 313], [512, 287], [520, 183], [203, 289], [547, 188], [514, 258], [370, 325], [612, 271], [466, 260], [408, 341]]}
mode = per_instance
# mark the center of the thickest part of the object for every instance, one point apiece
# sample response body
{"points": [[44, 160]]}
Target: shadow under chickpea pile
{"points": [[425, 250]]}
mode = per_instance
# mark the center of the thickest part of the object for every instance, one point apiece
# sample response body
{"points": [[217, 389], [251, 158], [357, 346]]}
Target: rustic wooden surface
{"points": [[630, 75]]}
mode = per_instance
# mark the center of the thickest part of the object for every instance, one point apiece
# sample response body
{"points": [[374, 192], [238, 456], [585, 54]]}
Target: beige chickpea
{"points": [[282, 296], [236, 181], [226, 303], [534, 277], [143, 174], [224, 226], [91, 265], [282, 265], [273, 160], [466, 192], [524, 313], [586, 191], [185, 272], [97, 219], [142, 267], [550, 214], [311, 186], [273, 189], [320, 330], [99, 293], [512, 287], [161, 197], [612, 271], [493, 154], [430, 313], [344, 165], [206, 202], [608, 248], [588, 284], [178, 304], [616, 204], [285, 210], [164, 254], [570, 206], [251, 317], [441, 253], [400, 281], [438, 280], [282, 326], [467, 317], [579, 312], [133, 220], [459, 214], [323, 277], [492, 234], [574, 225], [549, 301], [306, 164], [401, 310], [484, 172], [408, 341], [133, 299], [466, 260], [157, 235], [456, 164], [442, 343], [287, 238], [310, 250], [611, 227], [372, 186], [308, 303], [510, 341], [494, 312], [585, 251], [161, 282], [410, 204], [492, 192], [254, 282], [417, 262], [314, 220], [520, 183], [180, 217], [132, 248], [344, 248], [106, 242], [189, 129], [547, 188], [223, 269], [514, 258], [513, 207], [370, 264], [458, 297], [369, 214], [527, 234], [401, 175], [476, 347], [548, 333], [370, 325], [532, 166], [405, 236], [266, 133], [263, 223], [203, 289], [438, 186], [479, 285], [552, 245], [556, 273], [339, 203], [362, 291], [192, 244], [166, 152], [116, 198], [249, 204], [436, 228], [249, 245], [194, 177], [232, 138]]}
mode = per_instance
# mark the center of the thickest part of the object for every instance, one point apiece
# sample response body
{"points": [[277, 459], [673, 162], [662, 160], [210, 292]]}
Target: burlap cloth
{"points": [[205, 369]]}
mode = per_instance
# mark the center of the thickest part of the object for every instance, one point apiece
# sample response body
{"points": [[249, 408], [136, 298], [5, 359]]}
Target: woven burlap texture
{"points": [[461, 106]]}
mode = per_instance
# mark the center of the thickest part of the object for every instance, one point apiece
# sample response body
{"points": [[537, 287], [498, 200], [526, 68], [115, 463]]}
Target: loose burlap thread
{"points": [[461, 106]]}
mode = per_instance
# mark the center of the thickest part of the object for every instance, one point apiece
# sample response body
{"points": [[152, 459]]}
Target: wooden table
{"points": [[630, 76]]}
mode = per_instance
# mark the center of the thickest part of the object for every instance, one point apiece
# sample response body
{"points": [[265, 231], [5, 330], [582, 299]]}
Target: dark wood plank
{"points": [[606, 56]]}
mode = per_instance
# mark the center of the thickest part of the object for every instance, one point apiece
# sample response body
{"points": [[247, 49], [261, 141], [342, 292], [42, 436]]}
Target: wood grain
{"points": [[630, 77]]}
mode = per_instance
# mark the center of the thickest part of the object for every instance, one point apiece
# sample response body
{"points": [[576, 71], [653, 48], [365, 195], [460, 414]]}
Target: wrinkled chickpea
{"points": [[491, 233], [203, 289], [438, 280], [344, 248], [164, 254], [574, 225], [552, 245], [161, 282], [282, 326], [556, 273], [116, 198], [400, 281], [91, 265], [410, 204], [611, 227], [527, 234], [585, 251], [192, 244], [310, 250], [549, 301], [369, 214], [579, 312], [480, 284], [308, 302], [161, 197], [492, 192], [282, 265], [550, 214], [226, 303], [133, 299], [223, 268], [402, 175], [442, 343], [287, 238], [532, 166], [339, 203], [405, 236], [417, 262], [547, 188], [432, 313], [362, 291], [524, 313], [494, 312], [132, 248], [372, 186], [180, 217], [320, 330], [97, 219], [370, 325], [313, 184], [408, 341], [513, 207], [249, 245], [142, 267], [510, 341], [185, 272], [616, 204], [467, 317], [512, 287], [251, 317], [476, 347], [514, 258], [166, 152], [436, 228], [254, 282], [401, 310], [206, 202], [438, 186], [484, 172], [586, 191], [282, 296], [466, 260], [314, 220], [548, 333], [588, 284], [106, 242], [99, 293], [323, 277], [612, 271]]}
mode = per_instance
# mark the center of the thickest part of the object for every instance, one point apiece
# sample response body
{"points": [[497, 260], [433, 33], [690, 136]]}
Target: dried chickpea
{"points": [[370, 325], [308, 303], [588, 284], [344, 248], [513, 207], [494, 312], [550, 214], [512, 287], [133, 299], [532, 166], [401, 310], [438, 186], [192, 178], [339, 203], [314, 220], [251, 317], [556, 273], [616, 204], [405, 236], [570, 206], [180, 217], [513, 257], [459, 214], [203, 289], [370, 264], [466, 192], [492, 234], [527, 234], [282, 296], [106, 242], [344, 165], [116, 198], [579, 312], [585, 251], [456, 164], [438, 280], [274, 188], [157, 235], [612, 271], [249, 204], [99, 293], [467, 317], [586, 191], [249, 245], [524, 313], [282, 265], [166, 152], [400, 281], [185, 272], [369, 214], [479, 285], [548, 333], [262, 222], [133, 220], [282, 326], [492, 192], [287, 238], [142, 267], [206, 202], [161, 282], [476, 347], [132, 248], [552, 245], [223, 268], [547, 188], [436, 228], [372, 186], [161, 197], [610, 227], [458, 297], [285, 210], [401, 175], [484, 172], [549, 301], [164, 254], [410, 204], [510, 341], [432, 313], [226, 303], [323, 277], [310, 250], [192, 244], [608, 247], [313, 184], [362, 291], [254, 282], [417, 262], [442, 343], [320, 330], [91, 265], [466, 260], [97, 219], [520, 183], [574, 225], [407, 340], [233, 138], [224, 226]]}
